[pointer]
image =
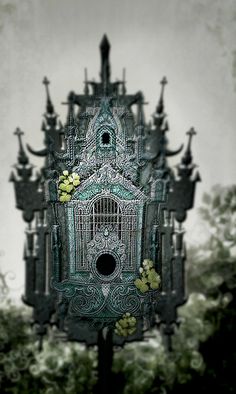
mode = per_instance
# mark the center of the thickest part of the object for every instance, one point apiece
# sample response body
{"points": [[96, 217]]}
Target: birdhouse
{"points": [[115, 211]]}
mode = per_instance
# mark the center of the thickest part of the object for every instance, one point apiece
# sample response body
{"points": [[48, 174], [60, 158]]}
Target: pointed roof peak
{"points": [[49, 106], [105, 44]]}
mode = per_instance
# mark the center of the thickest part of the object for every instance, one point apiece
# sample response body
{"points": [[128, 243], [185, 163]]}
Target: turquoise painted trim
{"points": [[122, 192], [117, 190], [71, 238], [139, 235]]}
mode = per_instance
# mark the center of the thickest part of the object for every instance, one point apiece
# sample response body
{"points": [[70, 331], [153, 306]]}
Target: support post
{"points": [[105, 358]]}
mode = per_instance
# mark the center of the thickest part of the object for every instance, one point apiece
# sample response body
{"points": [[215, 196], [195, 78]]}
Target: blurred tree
{"points": [[61, 368]]}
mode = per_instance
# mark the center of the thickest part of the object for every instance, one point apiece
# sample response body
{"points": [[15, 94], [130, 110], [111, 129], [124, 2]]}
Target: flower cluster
{"points": [[149, 278], [126, 325], [67, 185]]}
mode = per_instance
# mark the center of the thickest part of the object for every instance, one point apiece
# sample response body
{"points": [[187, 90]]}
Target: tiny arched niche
{"points": [[106, 138]]}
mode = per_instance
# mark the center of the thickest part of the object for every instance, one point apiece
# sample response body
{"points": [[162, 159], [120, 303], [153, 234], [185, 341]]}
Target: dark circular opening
{"points": [[106, 264]]}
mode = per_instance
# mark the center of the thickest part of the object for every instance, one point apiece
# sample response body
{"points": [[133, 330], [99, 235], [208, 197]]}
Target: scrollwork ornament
{"points": [[124, 299], [88, 301]]}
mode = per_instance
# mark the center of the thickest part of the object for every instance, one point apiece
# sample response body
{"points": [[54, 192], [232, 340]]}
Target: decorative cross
{"points": [[19, 133], [163, 83], [46, 82], [22, 158], [190, 133]]}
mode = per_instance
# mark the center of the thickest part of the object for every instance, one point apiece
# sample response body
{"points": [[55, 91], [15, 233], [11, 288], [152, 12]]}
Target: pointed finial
{"points": [[22, 158], [70, 118], [70, 124], [160, 106], [105, 45], [140, 114], [124, 82], [86, 89], [50, 108], [159, 116], [105, 65], [187, 158]]}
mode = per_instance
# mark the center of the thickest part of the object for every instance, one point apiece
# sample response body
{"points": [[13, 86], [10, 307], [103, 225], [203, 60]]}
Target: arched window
{"points": [[106, 138], [105, 211]]}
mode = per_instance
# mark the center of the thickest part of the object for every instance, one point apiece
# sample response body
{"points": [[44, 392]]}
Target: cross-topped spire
{"points": [[50, 108], [187, 158], [160, 106], [190, 133], [163, 82], [140, 114], [22, 158], [160, 116]]}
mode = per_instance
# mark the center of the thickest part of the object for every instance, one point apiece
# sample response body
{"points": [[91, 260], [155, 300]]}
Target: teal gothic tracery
{"points": [[129, 206]]}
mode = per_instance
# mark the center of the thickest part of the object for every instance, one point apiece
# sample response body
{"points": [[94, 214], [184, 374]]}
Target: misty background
{"points": [[191, 42]]}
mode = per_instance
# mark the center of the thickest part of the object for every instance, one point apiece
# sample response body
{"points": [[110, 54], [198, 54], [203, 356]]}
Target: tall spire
{"points": [[187, 158], [71, 126], [123, 82], [50, 126], [23, 167], [160, 116], [86, 89], [70, 115], [70, 131], [105, 64], [22, 158], [160, 106], [140, 114], [161, 127], [50, 108]]}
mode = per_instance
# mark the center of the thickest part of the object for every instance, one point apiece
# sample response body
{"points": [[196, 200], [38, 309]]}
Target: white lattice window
{"points": [[105, 212]]}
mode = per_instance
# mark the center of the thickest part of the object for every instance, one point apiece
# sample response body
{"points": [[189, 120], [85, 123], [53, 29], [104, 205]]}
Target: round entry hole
{"points": [[106, 264]]}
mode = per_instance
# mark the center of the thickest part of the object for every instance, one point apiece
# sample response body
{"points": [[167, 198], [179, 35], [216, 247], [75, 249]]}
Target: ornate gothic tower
{"points": [[114, 211]]}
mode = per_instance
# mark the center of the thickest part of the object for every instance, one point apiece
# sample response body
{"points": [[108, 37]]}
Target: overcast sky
{"points": [[192, 42]]}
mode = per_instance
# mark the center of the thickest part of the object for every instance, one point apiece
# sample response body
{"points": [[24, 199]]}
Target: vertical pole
{"points": [[105, 357]]}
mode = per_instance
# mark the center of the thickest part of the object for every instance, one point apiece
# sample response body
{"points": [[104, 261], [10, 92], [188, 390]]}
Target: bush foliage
{"points": [[203, 356]]}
